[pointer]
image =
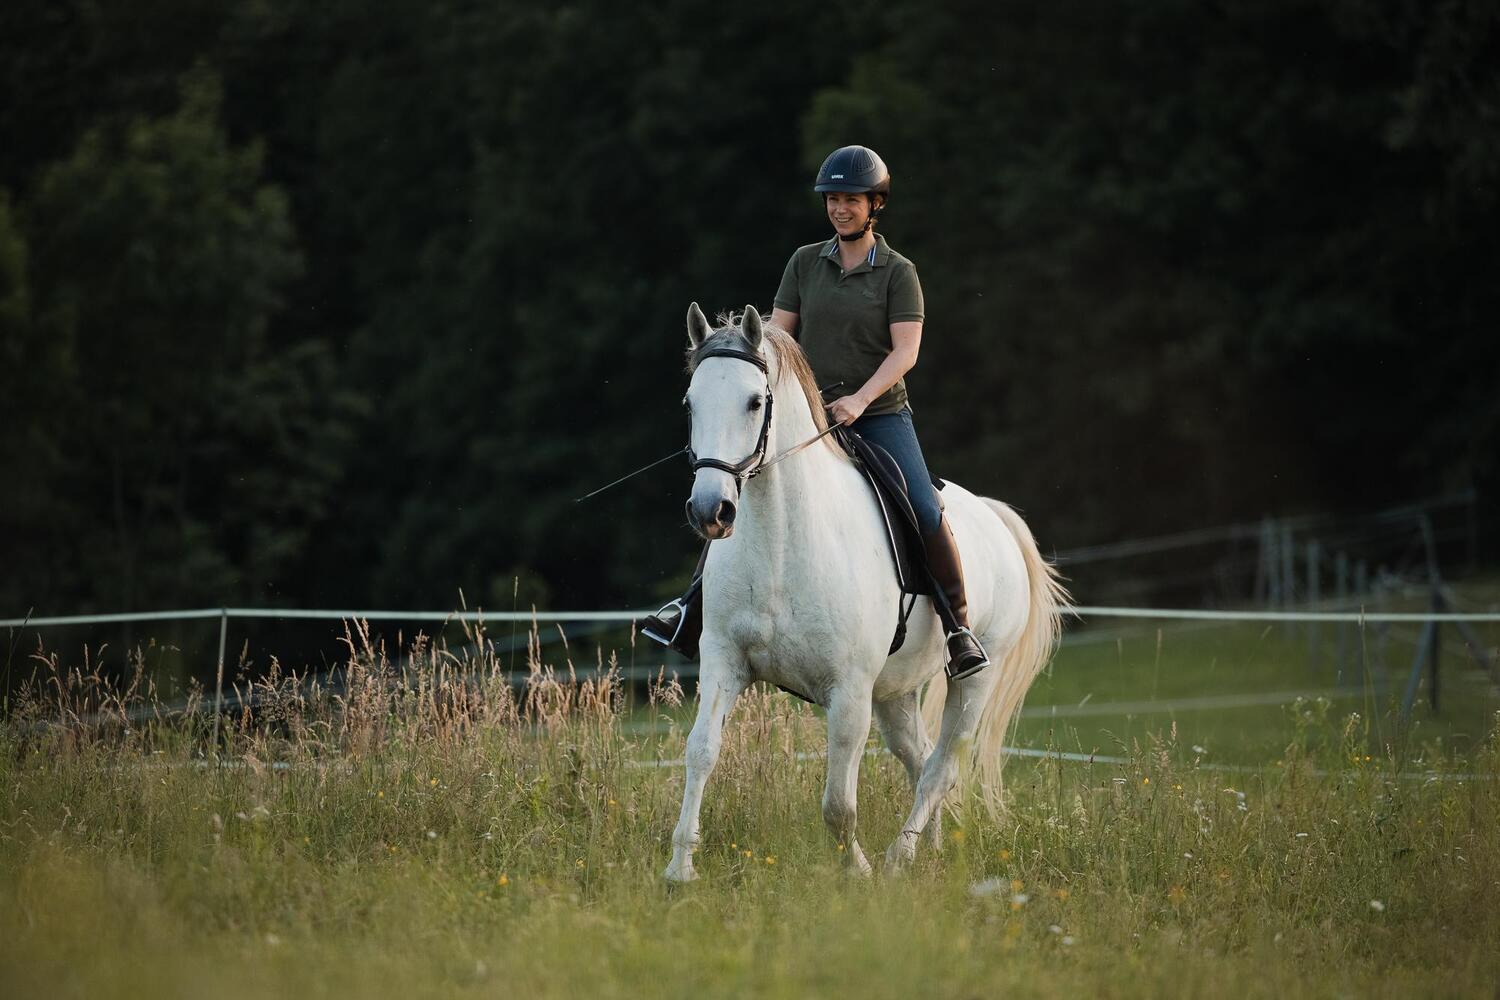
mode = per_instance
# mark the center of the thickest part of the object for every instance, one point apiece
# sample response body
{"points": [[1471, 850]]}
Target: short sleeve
{"points": [[788, 294], [904, 301]]}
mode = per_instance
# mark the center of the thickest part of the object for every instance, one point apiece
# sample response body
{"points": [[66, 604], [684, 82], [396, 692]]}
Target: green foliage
{"points": [[1183, 265], [184, 451]]}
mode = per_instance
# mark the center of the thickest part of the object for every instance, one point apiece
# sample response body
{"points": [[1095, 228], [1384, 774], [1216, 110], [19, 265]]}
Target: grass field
{"points": [[428, 833]]}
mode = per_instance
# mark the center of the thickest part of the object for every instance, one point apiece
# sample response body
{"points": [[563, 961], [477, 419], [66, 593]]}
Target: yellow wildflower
{"points": [[1176, 895], [503, 880]]}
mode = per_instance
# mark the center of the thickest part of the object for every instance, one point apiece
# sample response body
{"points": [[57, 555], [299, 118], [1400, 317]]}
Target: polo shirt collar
{"points": [[880, 254]]}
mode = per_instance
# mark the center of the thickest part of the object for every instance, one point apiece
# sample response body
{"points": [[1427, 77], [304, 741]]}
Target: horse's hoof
{"points": [[899, 856], [680, 874]]}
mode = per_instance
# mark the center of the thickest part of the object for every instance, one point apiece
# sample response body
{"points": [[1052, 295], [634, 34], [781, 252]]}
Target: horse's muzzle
{"points": [[714, 519]]}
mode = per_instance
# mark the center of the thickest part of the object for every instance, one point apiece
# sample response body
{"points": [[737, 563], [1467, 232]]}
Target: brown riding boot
{"points": [[678, 624], [965, 655]]}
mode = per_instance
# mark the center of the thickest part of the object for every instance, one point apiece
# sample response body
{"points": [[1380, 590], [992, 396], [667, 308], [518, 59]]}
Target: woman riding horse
{"points": [[855, 306]]}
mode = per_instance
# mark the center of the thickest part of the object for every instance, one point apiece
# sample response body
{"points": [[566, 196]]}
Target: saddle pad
{"points": [[905, 539]]}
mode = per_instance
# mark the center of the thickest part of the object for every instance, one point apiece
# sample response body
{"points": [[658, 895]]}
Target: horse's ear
{"points": [[750, 326], [697, 324]]}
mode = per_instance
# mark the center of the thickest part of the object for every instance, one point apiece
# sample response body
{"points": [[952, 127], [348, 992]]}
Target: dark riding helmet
{"points": [[854, 169]]}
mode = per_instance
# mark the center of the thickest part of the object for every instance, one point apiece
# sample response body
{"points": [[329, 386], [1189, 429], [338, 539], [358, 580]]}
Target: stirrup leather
{"points": [[964, 665], [666, 625]]}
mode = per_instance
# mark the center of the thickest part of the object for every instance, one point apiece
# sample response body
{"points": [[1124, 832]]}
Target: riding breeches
{"points": [[896, 434]]}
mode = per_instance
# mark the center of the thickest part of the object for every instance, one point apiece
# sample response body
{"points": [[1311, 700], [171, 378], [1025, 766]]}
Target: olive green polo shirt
{"points": [[845, 317]]}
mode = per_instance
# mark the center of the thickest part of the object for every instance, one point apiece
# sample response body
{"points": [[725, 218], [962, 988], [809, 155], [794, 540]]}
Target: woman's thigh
{"points": [[896, 434]]}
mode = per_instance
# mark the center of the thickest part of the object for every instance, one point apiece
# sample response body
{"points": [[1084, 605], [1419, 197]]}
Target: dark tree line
{"points": [[345, 303]]}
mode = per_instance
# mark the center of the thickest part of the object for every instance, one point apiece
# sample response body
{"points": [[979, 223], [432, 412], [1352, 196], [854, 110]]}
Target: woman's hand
{"points": [[847, 409]]}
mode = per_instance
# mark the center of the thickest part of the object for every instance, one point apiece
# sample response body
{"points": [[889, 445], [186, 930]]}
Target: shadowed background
{"points": [[343, 304]]}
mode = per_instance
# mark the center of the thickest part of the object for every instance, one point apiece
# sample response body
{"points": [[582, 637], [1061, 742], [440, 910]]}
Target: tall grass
{"points": [[420, 826]]}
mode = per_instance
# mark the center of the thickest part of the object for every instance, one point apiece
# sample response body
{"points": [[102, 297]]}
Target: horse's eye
{"points": [[754, 403]]}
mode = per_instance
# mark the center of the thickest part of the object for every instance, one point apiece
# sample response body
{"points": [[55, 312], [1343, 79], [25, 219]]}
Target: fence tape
{"points": [[544, 617]]}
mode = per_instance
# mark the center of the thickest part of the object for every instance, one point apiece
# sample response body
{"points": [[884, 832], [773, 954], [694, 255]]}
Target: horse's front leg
{"points": [[848, 732], [718, 687]]}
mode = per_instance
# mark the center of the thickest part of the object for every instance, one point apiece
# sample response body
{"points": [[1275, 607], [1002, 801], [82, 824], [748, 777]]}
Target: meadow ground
{"points": [[427, 832]]}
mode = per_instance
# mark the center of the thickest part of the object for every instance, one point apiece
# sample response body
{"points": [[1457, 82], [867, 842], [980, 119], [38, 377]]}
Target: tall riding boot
{"points": [[678, 624], [965, 655]]}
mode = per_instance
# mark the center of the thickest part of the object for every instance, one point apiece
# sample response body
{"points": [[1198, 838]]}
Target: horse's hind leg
{"points": [[717, 691], [848, 732], [962, 712], [900, 721]]}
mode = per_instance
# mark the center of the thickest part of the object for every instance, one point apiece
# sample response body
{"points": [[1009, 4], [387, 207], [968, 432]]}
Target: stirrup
{"points": [[666, 625], [970, 660]]}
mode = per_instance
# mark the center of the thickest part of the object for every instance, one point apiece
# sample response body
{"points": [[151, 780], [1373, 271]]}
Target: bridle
{"points": [[751, 465], [756, 462]]}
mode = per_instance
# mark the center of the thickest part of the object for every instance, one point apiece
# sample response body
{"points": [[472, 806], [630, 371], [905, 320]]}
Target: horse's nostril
{"points": [[726, 512]]}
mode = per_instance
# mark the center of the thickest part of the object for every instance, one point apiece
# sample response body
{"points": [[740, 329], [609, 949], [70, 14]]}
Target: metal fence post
{"points": [[219, 682], [1288, 575], [1313, 638]]}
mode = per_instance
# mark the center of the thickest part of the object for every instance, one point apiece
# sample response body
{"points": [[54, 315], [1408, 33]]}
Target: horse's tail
{"points": [[1048, 601]]}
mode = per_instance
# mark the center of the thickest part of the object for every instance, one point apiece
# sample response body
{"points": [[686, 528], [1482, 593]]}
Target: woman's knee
{"points": [[924, 501]]}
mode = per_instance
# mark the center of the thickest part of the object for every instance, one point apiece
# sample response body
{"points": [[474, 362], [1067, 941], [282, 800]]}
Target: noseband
{"points": [[751, 464]]}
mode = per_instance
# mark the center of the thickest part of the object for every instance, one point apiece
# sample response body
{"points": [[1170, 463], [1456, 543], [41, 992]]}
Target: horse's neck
{"points": [[784, 508]]}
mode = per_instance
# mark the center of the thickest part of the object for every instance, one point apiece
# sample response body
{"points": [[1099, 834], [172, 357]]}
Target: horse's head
{"points": [[729, 406]]}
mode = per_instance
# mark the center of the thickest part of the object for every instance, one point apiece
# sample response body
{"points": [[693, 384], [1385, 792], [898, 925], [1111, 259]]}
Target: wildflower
{"points": [[1004, 854], [307, 840], [958, 835], [1377, 906], [432, 835], [749, 854], [1062, 894], [1145, 781], [1067, 939], [579, 863], [1016, 885], [770, 859], [1053, 929], [1300, 836], [1198, 749], [503, 880], [841, 847], [1176, 895], [380, 794], [613, 802], [433, 782]]}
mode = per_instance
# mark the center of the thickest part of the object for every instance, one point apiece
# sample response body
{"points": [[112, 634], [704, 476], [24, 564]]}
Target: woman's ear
{"points": [[751, 327], [697, 324]]}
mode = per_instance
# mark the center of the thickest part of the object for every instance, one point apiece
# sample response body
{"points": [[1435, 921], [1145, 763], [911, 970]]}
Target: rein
{"points": [[747, 468]]}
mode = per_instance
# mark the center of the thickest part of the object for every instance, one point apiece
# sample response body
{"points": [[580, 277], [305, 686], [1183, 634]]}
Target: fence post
{"points": [[1288, 575], [1313, 638], [1341, 590], [219, 682]]}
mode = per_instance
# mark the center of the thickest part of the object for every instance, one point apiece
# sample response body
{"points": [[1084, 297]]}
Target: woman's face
{"points": [[847, 212]]}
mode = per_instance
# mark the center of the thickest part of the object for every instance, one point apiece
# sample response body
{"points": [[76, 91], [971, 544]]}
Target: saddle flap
{"points": [[905, 538]]}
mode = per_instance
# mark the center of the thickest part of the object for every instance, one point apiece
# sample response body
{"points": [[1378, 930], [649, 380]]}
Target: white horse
{"points": [[799, 590]]}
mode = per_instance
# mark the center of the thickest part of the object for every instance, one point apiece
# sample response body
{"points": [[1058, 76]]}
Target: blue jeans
{"points": [[895, 433]]}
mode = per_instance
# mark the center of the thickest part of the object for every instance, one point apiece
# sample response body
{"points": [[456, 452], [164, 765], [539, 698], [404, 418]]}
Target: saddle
{"points": [[908, 551]]}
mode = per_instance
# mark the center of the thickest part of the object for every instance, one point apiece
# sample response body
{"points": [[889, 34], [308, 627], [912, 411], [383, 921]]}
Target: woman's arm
{"points": [[785, 320], [906, 341]]}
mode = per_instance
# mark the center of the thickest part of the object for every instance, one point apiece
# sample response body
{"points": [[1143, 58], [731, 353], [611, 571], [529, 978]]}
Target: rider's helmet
{"points": [[856, 170]]}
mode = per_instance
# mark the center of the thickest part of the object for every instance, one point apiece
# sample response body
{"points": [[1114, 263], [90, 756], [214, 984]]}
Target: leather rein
{"points": [[753, 464]]}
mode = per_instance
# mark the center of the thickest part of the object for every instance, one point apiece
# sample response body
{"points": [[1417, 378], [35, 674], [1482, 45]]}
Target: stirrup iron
{"points": [[970, 657], [666, 625]]}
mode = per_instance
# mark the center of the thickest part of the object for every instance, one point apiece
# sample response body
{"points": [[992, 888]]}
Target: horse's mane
{"points": [[789, 357]]}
